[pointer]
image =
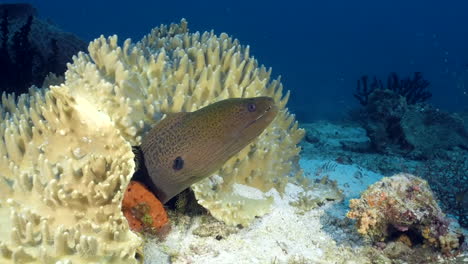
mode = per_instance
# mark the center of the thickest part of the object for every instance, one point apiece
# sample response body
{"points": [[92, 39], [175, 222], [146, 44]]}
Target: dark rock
{"points": [[430, 130], [31, 48]]}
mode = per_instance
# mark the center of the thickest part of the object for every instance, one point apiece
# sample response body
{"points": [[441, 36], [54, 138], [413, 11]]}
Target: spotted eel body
{"points": [[185, 148]]}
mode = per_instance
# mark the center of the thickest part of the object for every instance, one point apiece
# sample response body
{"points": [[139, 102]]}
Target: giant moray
{"points": [[184, 148]]}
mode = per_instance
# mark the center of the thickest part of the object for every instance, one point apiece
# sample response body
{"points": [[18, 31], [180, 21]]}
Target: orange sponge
{"points": [[144, 212]]}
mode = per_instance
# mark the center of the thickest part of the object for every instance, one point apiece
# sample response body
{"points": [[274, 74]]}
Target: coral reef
{"points": [[447, 176], [144, 212], [413, 90], [173, 70], [381, 119], [368, 168], [31, 48], [66, 157], [64, 169], [417, 130], [403, 205]]}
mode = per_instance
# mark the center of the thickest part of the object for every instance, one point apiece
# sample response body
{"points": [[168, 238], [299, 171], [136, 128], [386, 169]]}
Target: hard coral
{"points": [[66, 156], [64, 168], [404, 205], [174, 70]]}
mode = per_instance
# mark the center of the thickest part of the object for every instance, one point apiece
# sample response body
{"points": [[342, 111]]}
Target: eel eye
{"points": [[251, 107], [178, 163]]}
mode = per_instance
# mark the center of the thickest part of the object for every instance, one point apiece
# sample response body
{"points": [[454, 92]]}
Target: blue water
{"points": [[320, 48]]}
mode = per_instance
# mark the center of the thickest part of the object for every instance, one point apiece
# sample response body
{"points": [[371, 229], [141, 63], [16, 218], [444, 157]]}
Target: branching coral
{"points": [[403, 205]]}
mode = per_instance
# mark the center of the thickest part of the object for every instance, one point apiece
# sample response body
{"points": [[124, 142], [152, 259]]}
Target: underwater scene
{"points": [[264, 132]]}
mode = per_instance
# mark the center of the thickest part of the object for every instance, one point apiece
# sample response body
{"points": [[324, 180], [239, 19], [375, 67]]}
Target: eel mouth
{"points": [[269, 113]]}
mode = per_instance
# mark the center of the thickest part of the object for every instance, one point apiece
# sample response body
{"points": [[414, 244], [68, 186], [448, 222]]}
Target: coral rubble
{"points": [[404, 205], [317, 194]]}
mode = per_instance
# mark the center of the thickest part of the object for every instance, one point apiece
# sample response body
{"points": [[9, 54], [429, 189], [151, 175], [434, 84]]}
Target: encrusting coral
{"points": [[66, 158], [403, 205]]}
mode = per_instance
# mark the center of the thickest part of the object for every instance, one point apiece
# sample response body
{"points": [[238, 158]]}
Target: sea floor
{"points": [[289, 234]]}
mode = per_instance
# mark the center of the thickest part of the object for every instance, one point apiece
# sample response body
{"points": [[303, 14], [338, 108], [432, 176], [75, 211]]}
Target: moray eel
{"points": [[185, 148]]}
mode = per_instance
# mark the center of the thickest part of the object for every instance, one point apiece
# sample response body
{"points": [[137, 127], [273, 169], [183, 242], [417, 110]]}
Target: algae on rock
{"points": [[404, 205]]}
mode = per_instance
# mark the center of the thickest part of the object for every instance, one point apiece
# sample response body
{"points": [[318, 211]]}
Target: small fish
{"points": [[187, 147]]}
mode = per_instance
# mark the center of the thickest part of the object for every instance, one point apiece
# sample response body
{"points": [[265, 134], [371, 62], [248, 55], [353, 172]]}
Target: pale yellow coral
{"points": [[172, 70], [65, 154], [62, 175]]}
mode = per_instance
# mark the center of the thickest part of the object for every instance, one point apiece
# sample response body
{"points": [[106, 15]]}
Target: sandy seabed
{"points": [[288, 234]]}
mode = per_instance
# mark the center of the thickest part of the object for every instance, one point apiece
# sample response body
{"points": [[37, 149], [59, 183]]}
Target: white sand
{"points": [[282, 235]]}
